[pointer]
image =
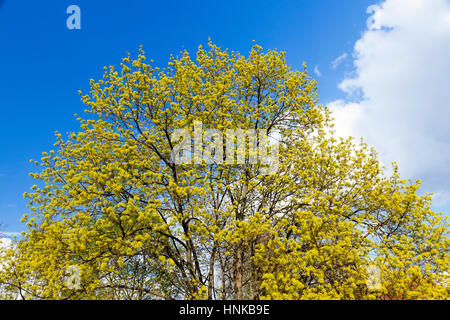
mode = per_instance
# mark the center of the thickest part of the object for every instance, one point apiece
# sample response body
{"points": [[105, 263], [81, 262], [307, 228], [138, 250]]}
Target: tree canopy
{"points": [[326, 223]]}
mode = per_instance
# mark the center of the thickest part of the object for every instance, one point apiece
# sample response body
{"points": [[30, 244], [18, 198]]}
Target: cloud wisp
{"points": [[317, 71], [336, 62]]}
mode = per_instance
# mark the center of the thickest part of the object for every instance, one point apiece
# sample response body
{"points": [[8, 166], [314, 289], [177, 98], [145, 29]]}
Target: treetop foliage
{"points": [[138, 226]]}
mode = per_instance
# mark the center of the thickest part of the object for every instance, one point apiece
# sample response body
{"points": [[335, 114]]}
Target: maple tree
{"points": [[138, 226]]}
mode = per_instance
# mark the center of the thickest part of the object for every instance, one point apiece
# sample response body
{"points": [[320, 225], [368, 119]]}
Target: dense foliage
{"points": [[138, 226]]}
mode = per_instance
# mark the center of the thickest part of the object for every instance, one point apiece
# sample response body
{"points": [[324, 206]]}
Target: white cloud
{"points": [[347, 117], [5, 243], [336, 62], [402, 70], [317, 71], [9, 234]]}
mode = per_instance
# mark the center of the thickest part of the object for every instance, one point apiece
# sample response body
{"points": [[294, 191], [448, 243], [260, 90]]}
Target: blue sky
{"points": [[43, 64]]}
